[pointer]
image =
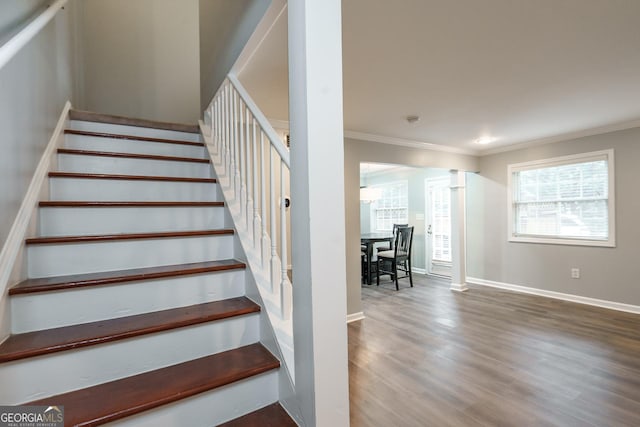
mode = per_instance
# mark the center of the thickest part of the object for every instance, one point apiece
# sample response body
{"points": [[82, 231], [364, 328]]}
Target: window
{"points": [[439, 199], [565, 200], [391, 208]]}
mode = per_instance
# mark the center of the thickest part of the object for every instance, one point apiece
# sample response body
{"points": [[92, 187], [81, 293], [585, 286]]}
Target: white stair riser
{"points": [[32, 312], [56, 373], [106, 220], [131, 190], [126, 166], [210, 408], [119, 145], [76, 258], [133, 130]]}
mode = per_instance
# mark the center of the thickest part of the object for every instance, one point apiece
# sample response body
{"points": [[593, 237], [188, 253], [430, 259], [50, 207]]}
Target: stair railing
{"points": [[252, 166]]}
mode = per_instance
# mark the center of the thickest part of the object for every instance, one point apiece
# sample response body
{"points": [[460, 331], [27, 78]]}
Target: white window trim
{"points": [[558, 161], [404, 182]]}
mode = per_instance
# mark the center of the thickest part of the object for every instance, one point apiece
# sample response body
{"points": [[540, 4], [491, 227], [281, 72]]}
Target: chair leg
{"points": [[394, 268], [409, 272], [378, 272]]}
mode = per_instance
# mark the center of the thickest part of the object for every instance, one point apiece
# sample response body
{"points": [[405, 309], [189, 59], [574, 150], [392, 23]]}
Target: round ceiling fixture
{"points": [[485, 140]]}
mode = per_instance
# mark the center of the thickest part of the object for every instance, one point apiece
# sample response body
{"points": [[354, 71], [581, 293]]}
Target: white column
{"points": [[458, 232], [317, 211]]}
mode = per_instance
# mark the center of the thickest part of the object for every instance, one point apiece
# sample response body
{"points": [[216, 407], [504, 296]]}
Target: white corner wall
{"points": [[141, 58]]}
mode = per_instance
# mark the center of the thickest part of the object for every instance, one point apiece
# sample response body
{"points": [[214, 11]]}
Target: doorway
{"points": [[438, 226]]}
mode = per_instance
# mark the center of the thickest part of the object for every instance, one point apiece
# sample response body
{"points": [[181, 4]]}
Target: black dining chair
{"points": [[389, 246], [399, 259]]}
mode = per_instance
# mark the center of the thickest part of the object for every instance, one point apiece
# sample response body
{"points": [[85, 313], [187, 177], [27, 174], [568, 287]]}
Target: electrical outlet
{"points": [[575, 273]]}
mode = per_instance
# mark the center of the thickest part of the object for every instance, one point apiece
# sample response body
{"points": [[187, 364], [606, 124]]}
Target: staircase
{"points": [[135, 310]]}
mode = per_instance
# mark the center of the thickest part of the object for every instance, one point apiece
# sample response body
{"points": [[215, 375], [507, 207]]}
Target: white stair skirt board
{"points": [[213, 407], [125, 166], [72, 221], [55, 373], [612, 305], [81, 189], [45, 310], [118, 145], [91, 257], [133, 130]]}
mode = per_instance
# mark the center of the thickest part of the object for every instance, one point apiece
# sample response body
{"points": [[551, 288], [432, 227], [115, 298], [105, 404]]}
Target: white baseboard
{"points": [[459, 287], [418, 270], [355, 316], [612, 305]]}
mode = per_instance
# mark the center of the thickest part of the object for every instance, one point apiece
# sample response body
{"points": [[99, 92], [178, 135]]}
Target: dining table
{"points": [[369, 240]]}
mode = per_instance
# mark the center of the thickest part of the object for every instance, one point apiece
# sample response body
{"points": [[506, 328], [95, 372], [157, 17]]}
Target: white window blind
{"points": [[392, 207], [440, 196], [566, 199]]}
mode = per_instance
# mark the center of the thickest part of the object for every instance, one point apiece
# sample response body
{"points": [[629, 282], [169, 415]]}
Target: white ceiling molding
{"points": [[564, 137]]}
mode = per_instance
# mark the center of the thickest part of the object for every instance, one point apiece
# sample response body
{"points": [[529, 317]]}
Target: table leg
{"points": [[369, 256]]}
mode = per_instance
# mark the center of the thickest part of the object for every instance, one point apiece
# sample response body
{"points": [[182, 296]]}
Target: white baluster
{"points": [[230, 163], [285, 297], [241, 158], [236, 146], [275, 266], [263, 204], [256, 205], [249, 170]]}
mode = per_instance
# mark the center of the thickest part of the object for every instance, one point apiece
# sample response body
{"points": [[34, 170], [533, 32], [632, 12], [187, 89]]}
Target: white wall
{"points": [[222, 40], [606, 273], [141, 58], [34, 87]]}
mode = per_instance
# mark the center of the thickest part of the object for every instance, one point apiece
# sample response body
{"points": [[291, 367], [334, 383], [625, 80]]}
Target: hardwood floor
{"points": [[426, 356]]}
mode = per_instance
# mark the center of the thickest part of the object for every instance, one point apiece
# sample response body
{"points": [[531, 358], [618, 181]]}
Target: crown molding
{"points": [[630, 124]]}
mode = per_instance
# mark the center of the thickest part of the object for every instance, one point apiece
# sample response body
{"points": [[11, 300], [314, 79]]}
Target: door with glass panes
{"points": [[438, 222]]}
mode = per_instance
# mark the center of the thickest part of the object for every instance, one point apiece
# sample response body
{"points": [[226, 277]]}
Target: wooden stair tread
{"points": [[117, 399], [37, 343], [90, 116], [273, 415], [131, 137], [77, 175], [46, 284], [131, 155], [126, 236], [95, 204]]}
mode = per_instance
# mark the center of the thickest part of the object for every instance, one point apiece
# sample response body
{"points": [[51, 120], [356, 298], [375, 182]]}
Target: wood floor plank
{"points": [[118, 399], [47, 284], [131, 137], [489, 357], [273, 415], [37, 343]]}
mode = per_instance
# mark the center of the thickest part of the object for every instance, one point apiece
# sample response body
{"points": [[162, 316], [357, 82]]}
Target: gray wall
{"points": [[222, 40], [141, 58], [415, 178], [356, 152], [606, 273], [34, 87]]}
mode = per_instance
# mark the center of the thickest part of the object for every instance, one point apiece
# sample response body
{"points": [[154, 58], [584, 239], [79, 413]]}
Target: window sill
{"points": [[565, 242]]}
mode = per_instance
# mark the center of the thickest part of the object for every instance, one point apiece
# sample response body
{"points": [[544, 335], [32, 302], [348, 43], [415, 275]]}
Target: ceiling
{"points": [[516, 71]]}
